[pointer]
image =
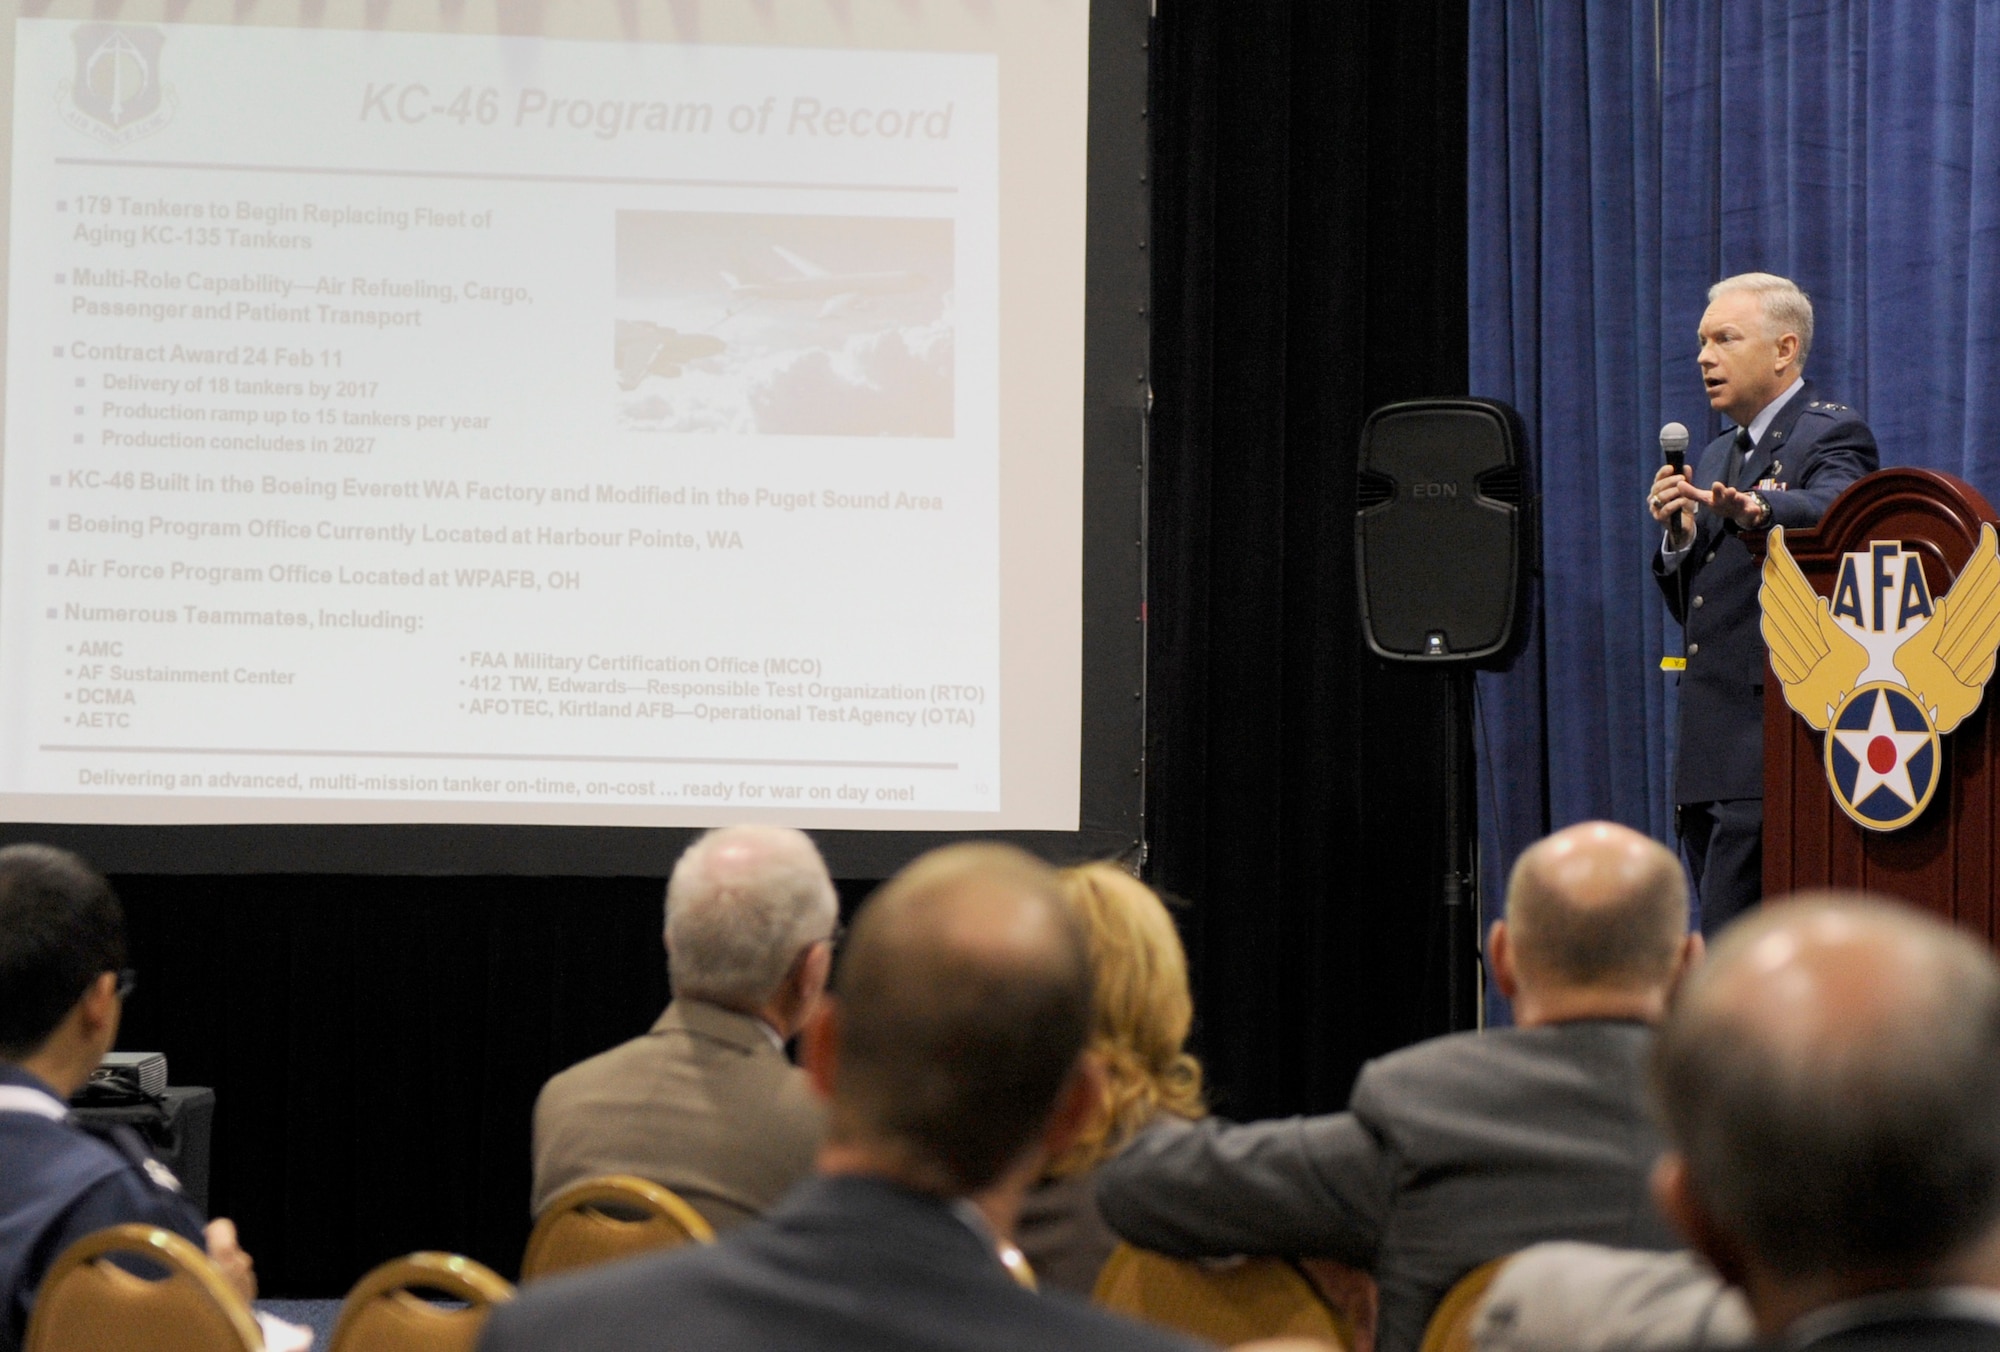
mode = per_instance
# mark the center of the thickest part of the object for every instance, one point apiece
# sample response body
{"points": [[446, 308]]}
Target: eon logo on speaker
{"points": [[1434, 490]]}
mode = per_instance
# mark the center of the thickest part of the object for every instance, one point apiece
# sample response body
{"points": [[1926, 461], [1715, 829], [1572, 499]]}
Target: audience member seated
{"points": [[953, 1062], [1469, 1147], [1139, 1023], [1830, 1087], [707, 1103], [1568, 1297], [62, 988]]}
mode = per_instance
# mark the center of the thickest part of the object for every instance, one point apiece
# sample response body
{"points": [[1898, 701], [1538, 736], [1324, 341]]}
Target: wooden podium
{"points": [[1948, 860]]}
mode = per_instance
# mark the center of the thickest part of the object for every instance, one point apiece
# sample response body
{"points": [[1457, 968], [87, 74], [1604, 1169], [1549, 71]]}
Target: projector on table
{"points": [[135, 1072]]}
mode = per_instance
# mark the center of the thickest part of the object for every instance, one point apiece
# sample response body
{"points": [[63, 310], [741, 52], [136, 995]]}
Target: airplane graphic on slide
{"points": [[838, 291]]}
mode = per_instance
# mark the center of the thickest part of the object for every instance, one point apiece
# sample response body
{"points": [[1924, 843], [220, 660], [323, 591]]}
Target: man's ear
{"points": [[1674, 1195], [819, 1046], [97, 1011], [1077, 1106], [1788, 350], [1500, 958], [814, 969], [1693, 949]]}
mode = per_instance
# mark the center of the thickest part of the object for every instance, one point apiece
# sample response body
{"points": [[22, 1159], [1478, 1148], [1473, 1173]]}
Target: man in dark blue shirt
{"points": [[62, 951]]}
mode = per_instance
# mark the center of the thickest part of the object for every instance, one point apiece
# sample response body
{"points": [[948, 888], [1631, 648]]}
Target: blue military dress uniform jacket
{"points": [[60, 1181], [1811, 451]]}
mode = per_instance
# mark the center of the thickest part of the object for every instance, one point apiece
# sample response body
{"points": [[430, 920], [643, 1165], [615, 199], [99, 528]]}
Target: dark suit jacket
{"points": [[1452, 1152], [1812, 449], [843, 1265], [1062, 1234], [1921, 1334]]}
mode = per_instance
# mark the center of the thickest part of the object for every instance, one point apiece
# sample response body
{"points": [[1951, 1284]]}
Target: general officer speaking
{"points": [[1790, 452]]}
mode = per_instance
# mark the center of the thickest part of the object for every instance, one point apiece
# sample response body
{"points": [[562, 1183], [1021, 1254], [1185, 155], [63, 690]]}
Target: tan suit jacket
{"points": [[705, 1103]]}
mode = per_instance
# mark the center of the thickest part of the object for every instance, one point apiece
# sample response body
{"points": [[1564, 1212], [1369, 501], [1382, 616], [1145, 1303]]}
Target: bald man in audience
{"points": [[707, 1103], [1468, 1147], [953, 1061], [1830, 1086]]}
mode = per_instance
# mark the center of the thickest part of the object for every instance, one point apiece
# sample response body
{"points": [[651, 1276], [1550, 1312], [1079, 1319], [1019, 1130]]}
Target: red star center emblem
{"points": [[1884, 754]]}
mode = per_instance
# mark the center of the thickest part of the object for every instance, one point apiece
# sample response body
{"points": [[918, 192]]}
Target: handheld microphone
{"points": [[1673, 445]]}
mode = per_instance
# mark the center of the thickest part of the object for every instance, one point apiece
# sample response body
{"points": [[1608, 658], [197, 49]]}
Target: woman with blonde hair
{"points": [[1139, 1025]]}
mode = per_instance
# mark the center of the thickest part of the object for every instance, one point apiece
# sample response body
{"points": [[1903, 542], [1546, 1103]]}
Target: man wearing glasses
{"points": [[63, 984]]}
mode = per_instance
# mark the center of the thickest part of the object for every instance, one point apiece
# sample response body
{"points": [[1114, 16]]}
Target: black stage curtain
{"points": [[1309, 211], [376, 1043]]}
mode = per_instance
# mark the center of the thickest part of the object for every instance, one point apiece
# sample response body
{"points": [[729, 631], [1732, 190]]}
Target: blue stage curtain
{"points": [[1623, 154]]}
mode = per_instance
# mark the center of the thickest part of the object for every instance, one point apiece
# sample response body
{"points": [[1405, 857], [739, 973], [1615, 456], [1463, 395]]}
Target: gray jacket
{"points": [[1565, 1297], [1452, 1152]]}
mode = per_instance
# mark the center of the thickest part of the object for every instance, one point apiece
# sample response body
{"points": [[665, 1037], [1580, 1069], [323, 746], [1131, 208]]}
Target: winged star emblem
{"points": [[1881, 667]]}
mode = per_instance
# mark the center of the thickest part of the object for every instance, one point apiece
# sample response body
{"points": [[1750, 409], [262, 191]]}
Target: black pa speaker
{"points": [[1444, 532]]}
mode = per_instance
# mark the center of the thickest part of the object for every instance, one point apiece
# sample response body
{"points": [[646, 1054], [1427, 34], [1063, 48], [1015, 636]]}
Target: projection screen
{"points": [[592, 414]]}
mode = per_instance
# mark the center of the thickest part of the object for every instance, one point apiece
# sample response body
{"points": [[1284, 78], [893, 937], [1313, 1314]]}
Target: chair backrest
{"points": [[383, 1313], [1450, 1326], [1245, 1300], [88, 1300], [601, 1219]]}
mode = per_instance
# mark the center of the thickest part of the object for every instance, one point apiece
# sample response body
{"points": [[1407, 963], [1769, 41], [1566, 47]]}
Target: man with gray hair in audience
{"points": [[954, 1065], [1464, 1148], [1830, 1085], [706, 1103]]}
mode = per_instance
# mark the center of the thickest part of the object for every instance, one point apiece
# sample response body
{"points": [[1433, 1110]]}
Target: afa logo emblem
{"points": [[1882, 756], [116, 94], [1884, 669]]}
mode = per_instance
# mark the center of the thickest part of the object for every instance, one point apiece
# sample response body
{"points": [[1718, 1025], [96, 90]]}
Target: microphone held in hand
{"points": [[1673, 445]]}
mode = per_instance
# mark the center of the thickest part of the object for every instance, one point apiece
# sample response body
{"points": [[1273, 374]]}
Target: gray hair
{"points": [[1831, 1078], [1786, 308], [742, 904]]}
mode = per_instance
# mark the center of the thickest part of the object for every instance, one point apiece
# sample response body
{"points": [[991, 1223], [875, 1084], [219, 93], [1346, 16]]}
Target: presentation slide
{"points": [[576, 413]]}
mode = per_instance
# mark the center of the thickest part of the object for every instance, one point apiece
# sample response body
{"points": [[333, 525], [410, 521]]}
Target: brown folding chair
{"points": [[89, 1301], [1450, 1326], [602, 1219], [1236, 1303], [384, 1313]]}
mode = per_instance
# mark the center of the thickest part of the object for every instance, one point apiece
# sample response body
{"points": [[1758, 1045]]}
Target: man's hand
{"points": [[1672, 500], [1742, 508], [229, 1256]]}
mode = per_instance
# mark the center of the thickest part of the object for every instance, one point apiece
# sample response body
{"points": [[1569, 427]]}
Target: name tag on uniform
{"points": [[1673, 664]]}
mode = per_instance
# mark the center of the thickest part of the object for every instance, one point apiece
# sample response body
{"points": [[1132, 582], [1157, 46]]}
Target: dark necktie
{"points": [[1739, 451]]}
